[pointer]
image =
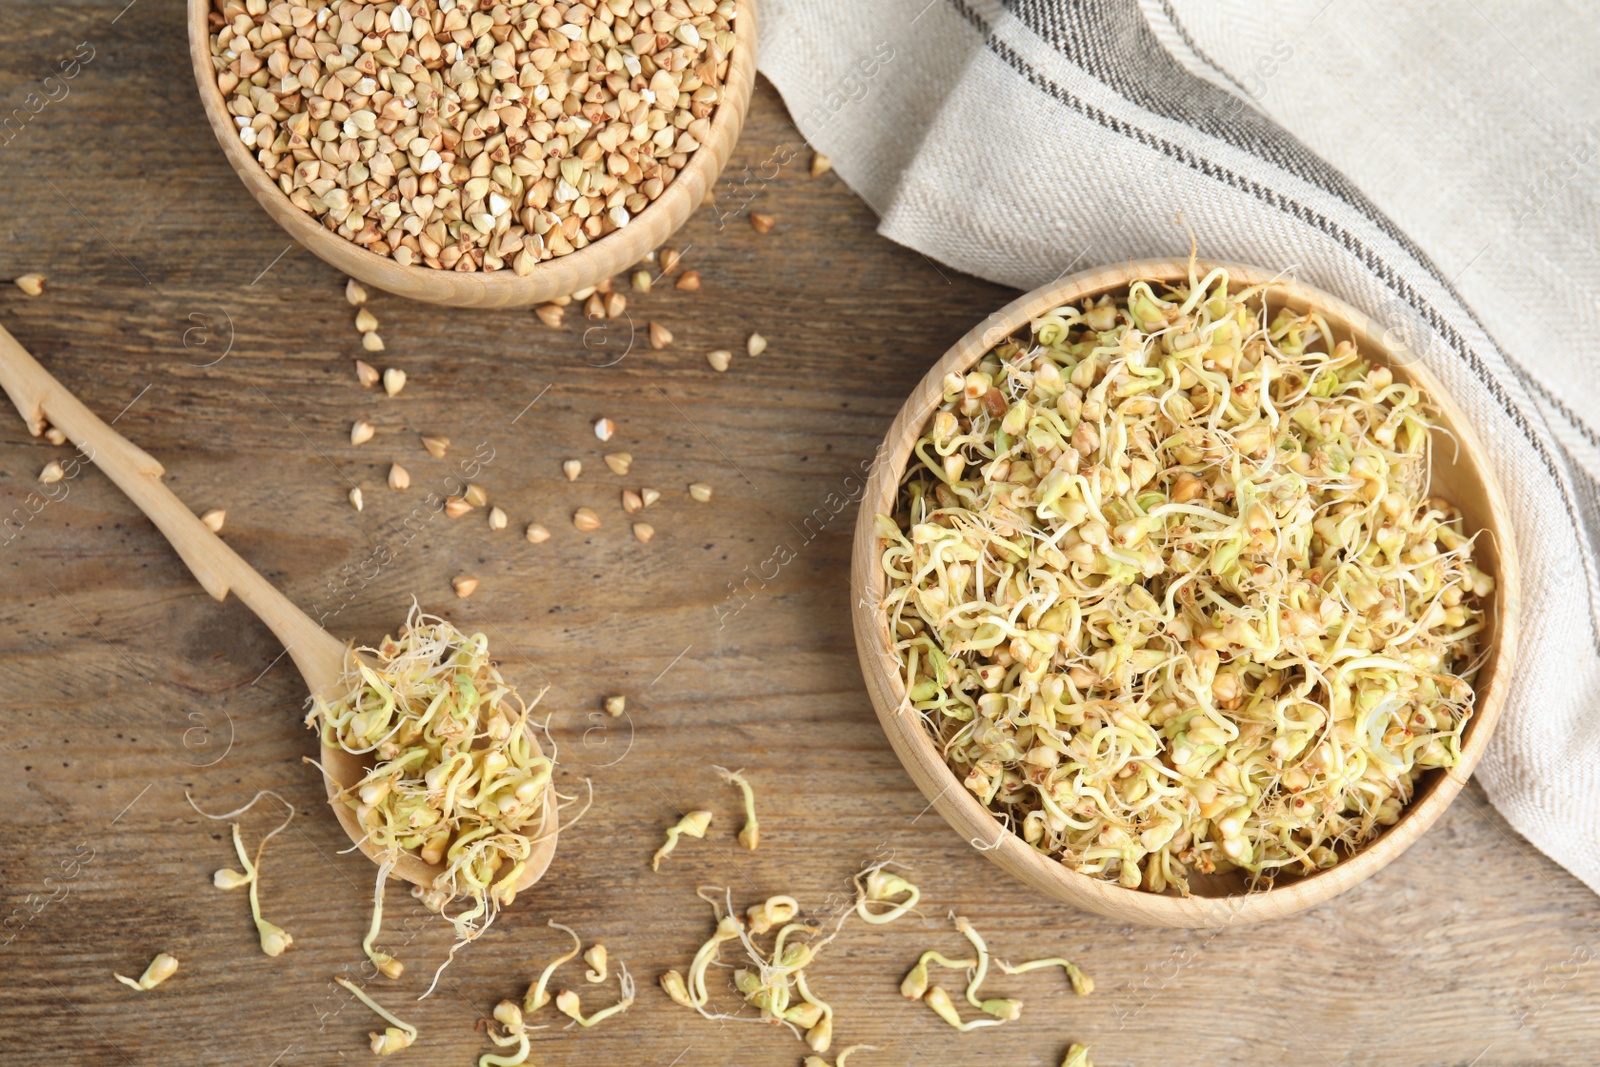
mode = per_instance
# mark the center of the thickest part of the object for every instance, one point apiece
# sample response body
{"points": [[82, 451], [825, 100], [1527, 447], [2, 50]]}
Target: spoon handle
{"points": [[43, 402]]}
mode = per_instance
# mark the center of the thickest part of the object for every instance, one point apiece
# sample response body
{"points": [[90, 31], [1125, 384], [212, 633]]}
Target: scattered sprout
{"points": [[161, 968], [1006, 1009], [393, 1039], [805, 1015], [774, 911], [981, 971], [1077, 1056], [1082, 984], [673, 985], [820, 1036], [509, 1016], [274, 939], [750, 835], [387, 965], [538, 995], [1167, 587], [228, 878], [728, 929], [596, 959], [693, 824], [567, 1002], [937, 999], [877, 887], [398, 1035], [915, 983], [775, 981]]}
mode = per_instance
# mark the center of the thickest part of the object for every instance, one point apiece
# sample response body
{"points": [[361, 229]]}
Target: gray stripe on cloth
{"points": [[1195, 49], [1111, 41]]}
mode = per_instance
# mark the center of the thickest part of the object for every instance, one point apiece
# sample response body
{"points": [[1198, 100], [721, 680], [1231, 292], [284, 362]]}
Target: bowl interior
{"points": [[1461, 474]]}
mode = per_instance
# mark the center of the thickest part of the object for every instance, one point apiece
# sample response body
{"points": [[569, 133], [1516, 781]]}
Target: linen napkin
{"points": [[1433, 165]]}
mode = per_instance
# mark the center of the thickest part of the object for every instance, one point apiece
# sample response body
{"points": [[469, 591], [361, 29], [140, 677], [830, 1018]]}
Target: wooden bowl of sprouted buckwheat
{"points": [[1182, 596], [472, 153]]}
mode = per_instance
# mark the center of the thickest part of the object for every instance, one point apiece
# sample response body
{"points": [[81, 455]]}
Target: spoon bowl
{"points": [[341, 769], [320, 657]]}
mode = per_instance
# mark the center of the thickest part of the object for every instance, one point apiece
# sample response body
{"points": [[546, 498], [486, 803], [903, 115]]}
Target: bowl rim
{"points": [[972, 819], [556, 277]]}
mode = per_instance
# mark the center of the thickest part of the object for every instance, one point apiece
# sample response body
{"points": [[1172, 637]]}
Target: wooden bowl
{"points": [[1463, 476], [555, 277]]}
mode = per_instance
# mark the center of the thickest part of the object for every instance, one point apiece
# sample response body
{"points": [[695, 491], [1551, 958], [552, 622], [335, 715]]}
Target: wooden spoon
{"points": [[319, 656]]}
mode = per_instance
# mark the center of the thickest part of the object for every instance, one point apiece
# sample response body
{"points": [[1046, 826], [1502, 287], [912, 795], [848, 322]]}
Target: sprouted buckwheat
{"points": [[1166, 584]]}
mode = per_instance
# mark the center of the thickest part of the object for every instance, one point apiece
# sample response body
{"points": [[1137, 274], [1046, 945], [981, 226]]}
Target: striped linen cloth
{"points": [[1431, 164]]}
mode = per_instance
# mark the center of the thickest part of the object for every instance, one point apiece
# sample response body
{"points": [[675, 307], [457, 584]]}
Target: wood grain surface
{"points": [[176, 307]]}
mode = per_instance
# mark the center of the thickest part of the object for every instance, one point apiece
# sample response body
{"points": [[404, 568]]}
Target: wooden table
{"points": [[175, 305]]}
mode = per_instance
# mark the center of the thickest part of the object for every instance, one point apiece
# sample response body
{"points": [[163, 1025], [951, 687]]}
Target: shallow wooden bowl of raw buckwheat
{"points": [[611, 148], [1461, 475]]}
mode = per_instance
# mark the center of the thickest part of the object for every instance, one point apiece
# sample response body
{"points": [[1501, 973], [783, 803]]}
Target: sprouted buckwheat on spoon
{"points": [[1166, 584], [457, 778]]}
